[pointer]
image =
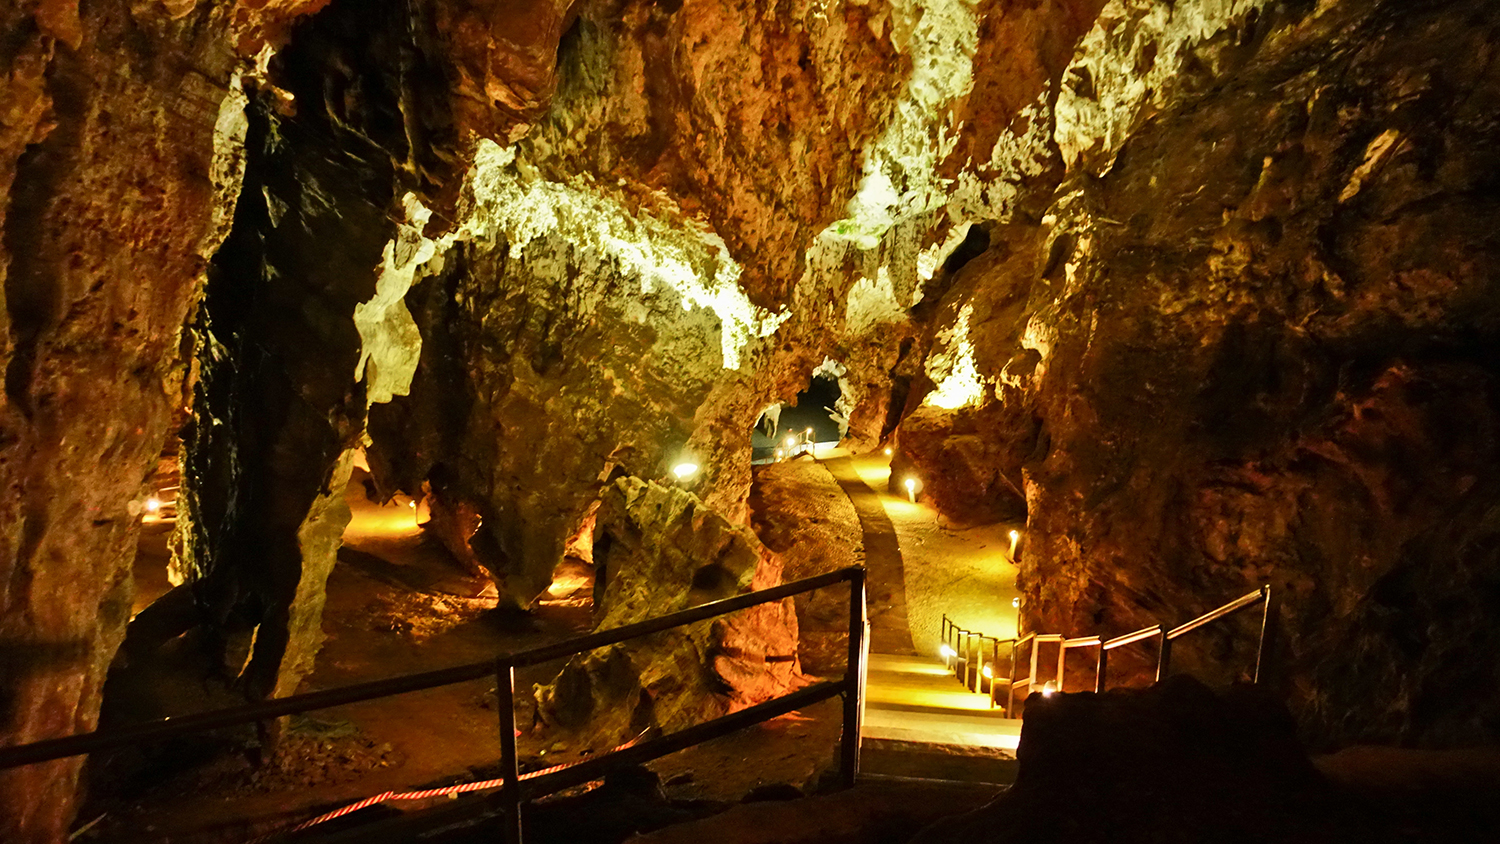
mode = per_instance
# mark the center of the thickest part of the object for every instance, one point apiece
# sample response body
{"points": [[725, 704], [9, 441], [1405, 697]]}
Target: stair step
{"points": [[896, 758], [907, 664], [942, 728], [954, 697]]}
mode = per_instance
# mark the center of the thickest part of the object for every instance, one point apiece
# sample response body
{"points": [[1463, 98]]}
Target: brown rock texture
{"points": [[107, 143], [1253, 349], [1206, 285], [658, 549], [799, 512], [1173, 763]]}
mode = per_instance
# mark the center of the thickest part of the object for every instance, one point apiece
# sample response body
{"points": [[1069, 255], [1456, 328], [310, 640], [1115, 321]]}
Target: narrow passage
{"points": [[889, 631]]}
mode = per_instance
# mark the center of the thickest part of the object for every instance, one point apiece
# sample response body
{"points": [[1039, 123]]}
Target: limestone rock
{"points": [[657, 550], [106, 146], [1174, 763], [1253, 350]]}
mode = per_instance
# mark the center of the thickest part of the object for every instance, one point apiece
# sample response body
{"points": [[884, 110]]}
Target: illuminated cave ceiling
{"points": [[1204, 287]]}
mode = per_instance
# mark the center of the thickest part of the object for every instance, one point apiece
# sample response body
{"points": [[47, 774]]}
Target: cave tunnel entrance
{"points": [[817, 417]]}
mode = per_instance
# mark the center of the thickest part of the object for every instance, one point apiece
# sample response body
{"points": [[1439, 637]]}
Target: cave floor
{"points": [[395, 606]]}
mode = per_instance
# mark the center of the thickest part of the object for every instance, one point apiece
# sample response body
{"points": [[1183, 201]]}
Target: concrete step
{"points": [[945, 728], [907, 664], [908, 760], [955, 699]]}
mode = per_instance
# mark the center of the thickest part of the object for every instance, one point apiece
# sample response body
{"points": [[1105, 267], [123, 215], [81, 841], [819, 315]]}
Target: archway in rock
{"points": [[817, 418]]}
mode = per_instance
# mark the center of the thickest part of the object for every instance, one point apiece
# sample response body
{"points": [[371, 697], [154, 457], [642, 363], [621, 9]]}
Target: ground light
{"points": [[1015, 538], [153, 504], [683, 471], [1049, 688], [911, 493]]}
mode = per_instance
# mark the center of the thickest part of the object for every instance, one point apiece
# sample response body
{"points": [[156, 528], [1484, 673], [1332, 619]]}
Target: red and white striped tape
{"points": [[445, 791]]}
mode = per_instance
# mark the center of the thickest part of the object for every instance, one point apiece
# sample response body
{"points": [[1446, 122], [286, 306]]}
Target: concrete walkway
{"points": [[889, 631], [919, 720]]}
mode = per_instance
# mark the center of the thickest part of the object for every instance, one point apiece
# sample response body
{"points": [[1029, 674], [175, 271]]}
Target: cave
{"points": [[1136, 358], [816, 418]]}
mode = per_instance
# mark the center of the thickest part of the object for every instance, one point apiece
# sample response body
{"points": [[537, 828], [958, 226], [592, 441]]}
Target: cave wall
{"points": [[631, 283], [1256, 347], [1204, 283], [113, 162]]}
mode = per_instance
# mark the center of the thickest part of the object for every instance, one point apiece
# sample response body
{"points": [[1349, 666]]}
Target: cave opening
{"points": [[817, 418]]}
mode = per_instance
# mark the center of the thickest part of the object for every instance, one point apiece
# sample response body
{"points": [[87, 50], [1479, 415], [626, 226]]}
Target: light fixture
{"points": [[887, 452], [791, 441], [911, 489], [986, 671], [412, 504], [1015, 603], [778, 454], [1015, 539], [153, 504], [683, 471], [1049, 688], [947, 651]]}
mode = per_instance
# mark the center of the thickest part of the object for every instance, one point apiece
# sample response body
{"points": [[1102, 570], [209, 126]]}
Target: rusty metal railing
{"points": [[964, 647], [516, 789]]}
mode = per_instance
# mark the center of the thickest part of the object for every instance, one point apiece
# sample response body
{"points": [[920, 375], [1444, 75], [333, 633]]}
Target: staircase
{"points": [[921, 722]]}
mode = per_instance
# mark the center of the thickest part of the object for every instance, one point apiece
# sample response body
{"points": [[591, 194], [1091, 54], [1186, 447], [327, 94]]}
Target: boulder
{"points": [[658, 549]]}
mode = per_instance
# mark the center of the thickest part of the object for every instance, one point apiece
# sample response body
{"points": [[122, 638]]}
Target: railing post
{"points": [[994, 671], [1164, 659], [854, 681], [510, 790], [1263, 654], [1010, 692], [1102, 667]]}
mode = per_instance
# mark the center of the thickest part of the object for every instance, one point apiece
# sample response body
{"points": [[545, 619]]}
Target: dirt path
{"points": [[890, 632]]}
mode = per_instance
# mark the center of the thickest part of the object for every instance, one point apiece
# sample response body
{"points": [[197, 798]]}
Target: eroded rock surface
{"points": [[658, 549], [107, 143], [1173, 763], [1253, 349]]}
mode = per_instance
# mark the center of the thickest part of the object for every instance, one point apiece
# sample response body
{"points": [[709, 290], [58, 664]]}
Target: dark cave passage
{"points": [[812, 419]]}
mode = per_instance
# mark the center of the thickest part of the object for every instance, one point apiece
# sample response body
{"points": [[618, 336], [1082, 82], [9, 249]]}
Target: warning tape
{"points": [[454, 790]]}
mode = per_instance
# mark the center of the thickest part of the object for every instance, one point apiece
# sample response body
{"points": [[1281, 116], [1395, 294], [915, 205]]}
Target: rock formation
{"points": [[658, 549], [1252, 349], [1205, 286]]}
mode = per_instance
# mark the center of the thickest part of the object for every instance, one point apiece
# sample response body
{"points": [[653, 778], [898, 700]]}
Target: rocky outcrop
{"points": [[658, 549], [1259, 307], [1173, 763], [1205, 283], [110, 123]]}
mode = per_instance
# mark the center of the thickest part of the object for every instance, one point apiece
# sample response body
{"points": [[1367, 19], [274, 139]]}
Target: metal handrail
{"points": [[1035, 640], [1132, 638], [851, 686], [1214, 615]]}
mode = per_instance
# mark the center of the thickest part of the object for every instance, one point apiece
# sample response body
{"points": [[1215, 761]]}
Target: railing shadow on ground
{"points": [[515, 787], [965, 651]]}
